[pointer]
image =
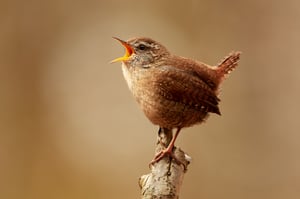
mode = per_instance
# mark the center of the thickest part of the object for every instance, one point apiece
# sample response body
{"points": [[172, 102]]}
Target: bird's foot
{"points": [[163, 153]]}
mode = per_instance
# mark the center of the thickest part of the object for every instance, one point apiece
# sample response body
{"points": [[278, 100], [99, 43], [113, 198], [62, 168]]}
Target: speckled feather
{"points": [[180, 99]]}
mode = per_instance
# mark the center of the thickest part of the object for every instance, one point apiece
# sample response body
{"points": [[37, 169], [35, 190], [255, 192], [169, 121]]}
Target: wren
{"points": [[174, 92]]}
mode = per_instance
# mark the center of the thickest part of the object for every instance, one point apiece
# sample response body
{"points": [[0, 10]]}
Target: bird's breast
{"points": [[137, 81], [140, 83]]}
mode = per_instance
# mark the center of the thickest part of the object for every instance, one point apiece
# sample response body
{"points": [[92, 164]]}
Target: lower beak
{"points": [[128, 51]]}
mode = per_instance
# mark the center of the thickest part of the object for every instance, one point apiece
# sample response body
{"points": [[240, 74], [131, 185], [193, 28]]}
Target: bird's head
{"points": [[142, 52]]}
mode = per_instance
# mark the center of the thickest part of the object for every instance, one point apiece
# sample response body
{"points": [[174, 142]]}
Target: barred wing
{"points": [[183, 87]]}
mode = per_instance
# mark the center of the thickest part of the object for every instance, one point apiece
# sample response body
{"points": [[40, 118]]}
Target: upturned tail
{"points": [[228, 64]]}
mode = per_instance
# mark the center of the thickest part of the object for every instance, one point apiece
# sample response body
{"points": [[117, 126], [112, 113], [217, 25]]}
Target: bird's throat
{"points": [[127, 76]]}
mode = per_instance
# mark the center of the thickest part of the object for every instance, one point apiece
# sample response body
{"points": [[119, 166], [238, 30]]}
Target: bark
{"points": [[166, 177]]}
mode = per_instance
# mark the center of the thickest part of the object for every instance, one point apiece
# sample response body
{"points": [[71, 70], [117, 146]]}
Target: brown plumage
{"points": [[173, 91]]}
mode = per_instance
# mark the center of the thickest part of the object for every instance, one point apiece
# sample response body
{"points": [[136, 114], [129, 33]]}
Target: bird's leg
{"points": [[168, 151]]}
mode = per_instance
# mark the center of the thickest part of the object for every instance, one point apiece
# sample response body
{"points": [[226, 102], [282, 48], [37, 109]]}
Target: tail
{"points": [[228, 64]]}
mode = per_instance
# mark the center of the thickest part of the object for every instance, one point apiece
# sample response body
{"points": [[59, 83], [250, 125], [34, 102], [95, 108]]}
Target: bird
{"points": [[174, 92]]}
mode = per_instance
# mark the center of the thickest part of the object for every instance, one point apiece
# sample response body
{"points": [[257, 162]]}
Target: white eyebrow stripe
{"points": [[152, 45], [144, 43]]}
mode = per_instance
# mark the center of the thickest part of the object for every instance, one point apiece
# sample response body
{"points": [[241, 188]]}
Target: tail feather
{"points": [[228, 64]]}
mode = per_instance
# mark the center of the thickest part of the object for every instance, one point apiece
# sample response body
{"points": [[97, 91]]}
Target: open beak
{"points": [[128, 51]]}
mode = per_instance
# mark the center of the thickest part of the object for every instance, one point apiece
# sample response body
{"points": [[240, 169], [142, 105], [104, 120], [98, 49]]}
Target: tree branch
{"points": [[166, 177]]}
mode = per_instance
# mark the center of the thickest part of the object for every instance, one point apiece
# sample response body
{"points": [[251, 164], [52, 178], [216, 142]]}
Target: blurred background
{"points": [[69, 127]]}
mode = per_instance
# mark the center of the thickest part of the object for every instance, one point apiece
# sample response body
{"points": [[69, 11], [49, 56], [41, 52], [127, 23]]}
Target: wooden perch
{"points": [[166, 177]]}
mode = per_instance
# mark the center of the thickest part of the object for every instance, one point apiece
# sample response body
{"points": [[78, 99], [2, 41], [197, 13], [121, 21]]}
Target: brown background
{"points": [[69, 127]]}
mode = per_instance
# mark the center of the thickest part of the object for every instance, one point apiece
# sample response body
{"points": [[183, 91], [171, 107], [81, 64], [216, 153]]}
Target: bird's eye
{"points": [[142, 47]]}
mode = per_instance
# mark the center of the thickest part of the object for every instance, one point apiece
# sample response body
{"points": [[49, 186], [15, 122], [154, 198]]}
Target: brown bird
{"points": [[173, 91]]}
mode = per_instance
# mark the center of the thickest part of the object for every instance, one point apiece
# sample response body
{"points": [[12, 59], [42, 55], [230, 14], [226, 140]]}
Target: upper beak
{"points": [[128, 51]]}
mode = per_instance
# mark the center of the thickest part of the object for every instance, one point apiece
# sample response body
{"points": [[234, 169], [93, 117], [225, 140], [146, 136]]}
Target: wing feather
{"points": [[183, 87]]}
